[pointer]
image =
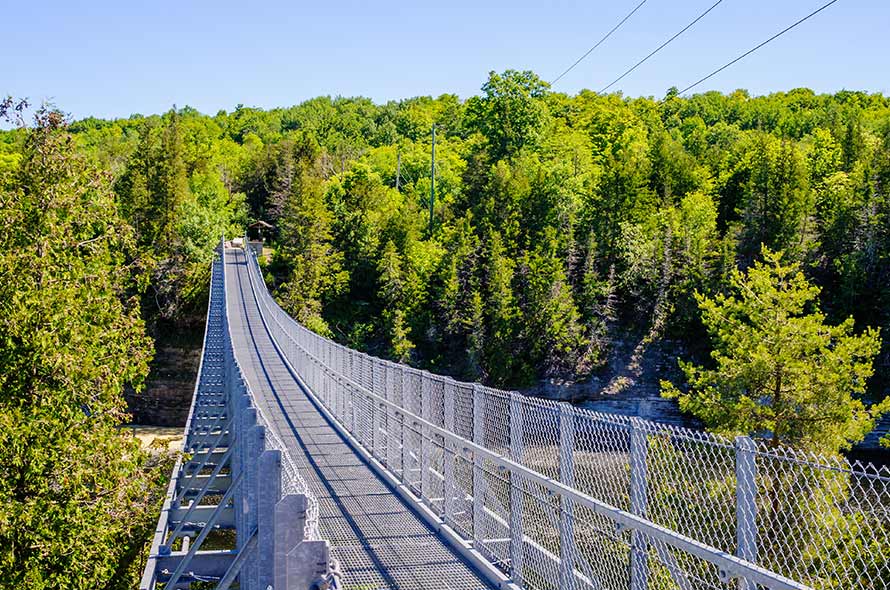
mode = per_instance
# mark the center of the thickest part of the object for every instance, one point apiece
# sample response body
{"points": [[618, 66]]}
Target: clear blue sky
{"points": [[108, 59]]}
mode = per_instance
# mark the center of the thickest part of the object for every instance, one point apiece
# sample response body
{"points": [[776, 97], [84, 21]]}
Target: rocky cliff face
{"points": [[168, 392], [629, 384], [632, 388]]}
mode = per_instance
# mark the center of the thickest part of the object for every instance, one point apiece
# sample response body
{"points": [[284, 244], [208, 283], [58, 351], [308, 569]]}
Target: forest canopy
{"points": [[566, 230]]}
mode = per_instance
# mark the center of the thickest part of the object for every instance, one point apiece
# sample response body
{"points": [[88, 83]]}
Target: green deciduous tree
{"points": [[173, 193], [207, 213], [511, 112]]}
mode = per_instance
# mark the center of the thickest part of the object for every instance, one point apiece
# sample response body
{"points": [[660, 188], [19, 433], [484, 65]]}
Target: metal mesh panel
{"points": [[462, 516], [602, 459], [691, 486], [823, 520], [540, 436], [643, 505], [463, 410], [292, 481]]}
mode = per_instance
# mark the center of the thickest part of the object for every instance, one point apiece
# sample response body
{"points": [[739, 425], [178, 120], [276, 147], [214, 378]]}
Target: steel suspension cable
{"points": [[598, 43], [752, 50], [662, 46]]}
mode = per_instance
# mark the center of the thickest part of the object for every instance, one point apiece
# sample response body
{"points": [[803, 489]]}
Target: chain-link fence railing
{"points": [[235, 486], [292, 481], [563, 497]]}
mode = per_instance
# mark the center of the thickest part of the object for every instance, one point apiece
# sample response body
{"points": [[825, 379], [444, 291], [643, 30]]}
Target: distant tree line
{"points": [[563, 225]]}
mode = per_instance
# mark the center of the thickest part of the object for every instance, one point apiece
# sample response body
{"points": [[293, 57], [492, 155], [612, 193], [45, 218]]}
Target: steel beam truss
{"points": [[225, 517]]}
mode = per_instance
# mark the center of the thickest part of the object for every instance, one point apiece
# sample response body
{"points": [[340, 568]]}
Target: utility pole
{"points": [[433, 180], [398, 171]]}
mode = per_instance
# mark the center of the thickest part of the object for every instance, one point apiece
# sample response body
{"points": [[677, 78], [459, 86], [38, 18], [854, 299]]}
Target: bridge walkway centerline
{"points": [[378, 539]]}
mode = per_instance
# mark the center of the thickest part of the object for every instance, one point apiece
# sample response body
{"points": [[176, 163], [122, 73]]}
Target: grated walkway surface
{"points": [[378, 539]]}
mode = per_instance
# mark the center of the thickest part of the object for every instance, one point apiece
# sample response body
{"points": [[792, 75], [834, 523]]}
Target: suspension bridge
{"points": [[307, 464]]}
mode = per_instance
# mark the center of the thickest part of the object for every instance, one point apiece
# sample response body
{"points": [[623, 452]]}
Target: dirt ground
{"points": [[151, 436]]}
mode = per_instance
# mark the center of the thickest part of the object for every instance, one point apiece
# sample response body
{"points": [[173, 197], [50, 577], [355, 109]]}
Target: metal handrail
{"points": [[730, 565]]}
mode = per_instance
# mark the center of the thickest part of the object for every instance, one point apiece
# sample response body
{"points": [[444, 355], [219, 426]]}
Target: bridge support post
{"points": [[353, 410], [289, 531], [377, 412], [243, 508], [311, 373], [328, 361], [323, 388], [362, 370], [345, 402], [566, 505], [426, 492], [448, 451], [337, 398], [639, 548], [330, 392], [746, 504], [392, 442], [383, 425], [252, 447], [478, 469], [516, 488], [307, 563], [403, 437], [239, 458], [368, 421], [269, 473], [413, 446]]}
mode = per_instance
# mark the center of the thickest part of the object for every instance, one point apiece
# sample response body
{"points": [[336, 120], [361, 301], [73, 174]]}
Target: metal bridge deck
{"points": [[379, 540]]}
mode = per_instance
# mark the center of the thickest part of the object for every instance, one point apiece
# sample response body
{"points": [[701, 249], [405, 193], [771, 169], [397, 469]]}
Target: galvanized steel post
{"points": [[406, 468], [251, 490], [269, 474], [517, 489], [448, 451], [566, 506], [746, 503], [425, 442], [478, 472], [639, 562], [392, 443]]}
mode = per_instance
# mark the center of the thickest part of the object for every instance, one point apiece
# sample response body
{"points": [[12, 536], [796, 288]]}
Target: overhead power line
{"points": [[660, 47], [750, 51], [598, 43]]}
